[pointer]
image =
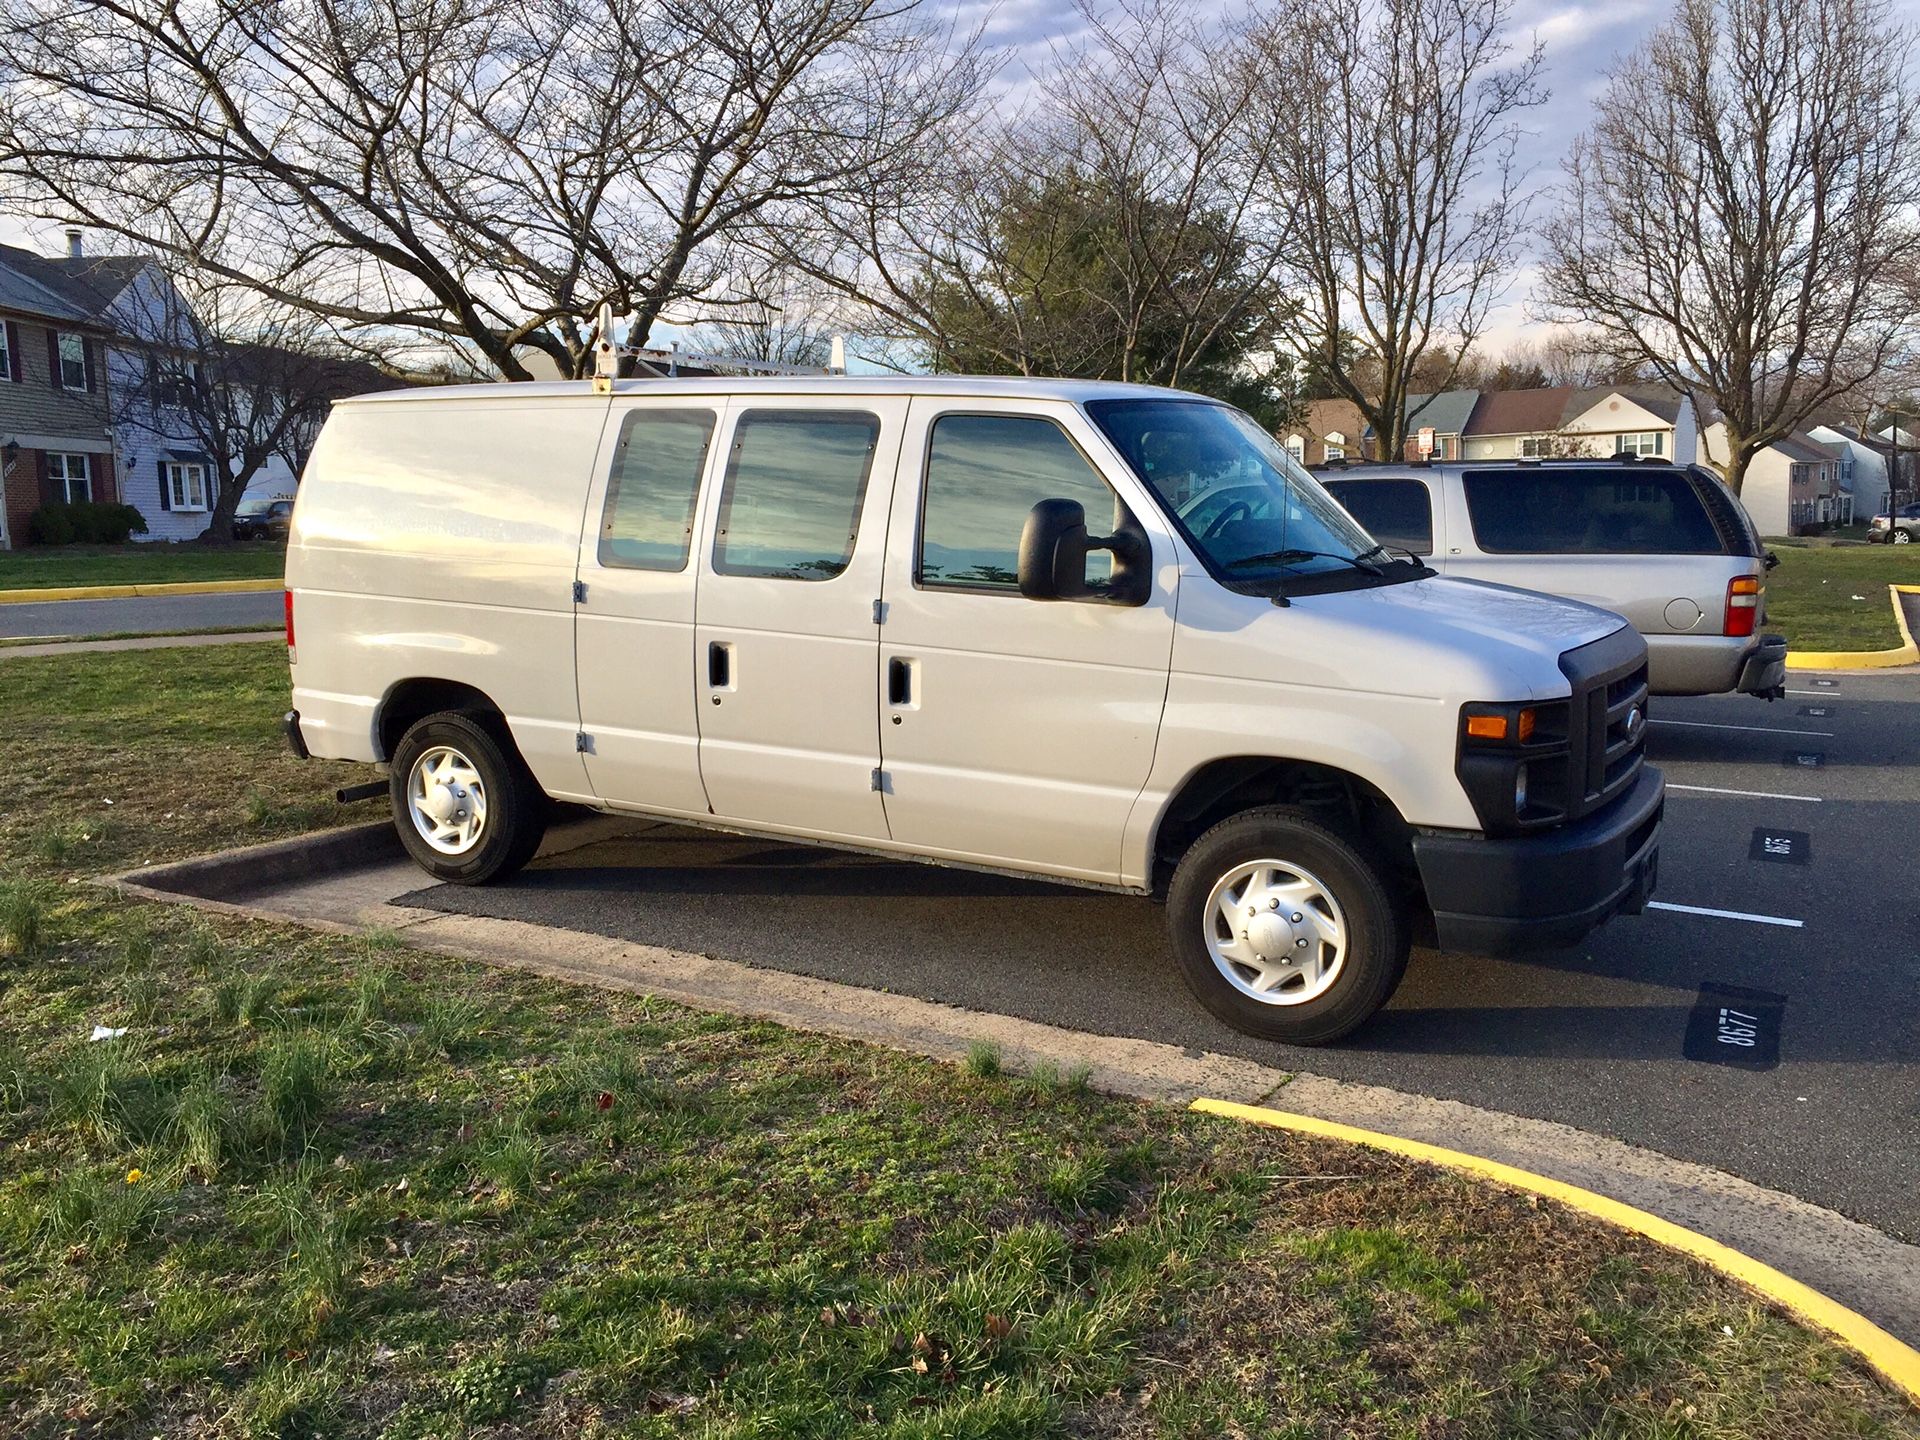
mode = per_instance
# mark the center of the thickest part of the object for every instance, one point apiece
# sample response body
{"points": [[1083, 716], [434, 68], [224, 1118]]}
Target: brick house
{"points": [[56, 417], [1330, 430]]}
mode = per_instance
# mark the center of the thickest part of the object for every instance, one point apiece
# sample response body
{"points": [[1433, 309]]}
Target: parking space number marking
{"points": [[1816, 711], [1804, 759], [1732, 1025], [1781, 847]]}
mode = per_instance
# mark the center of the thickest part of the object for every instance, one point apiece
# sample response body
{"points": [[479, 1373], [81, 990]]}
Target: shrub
{"points": [[85, 522], [52, 525]]}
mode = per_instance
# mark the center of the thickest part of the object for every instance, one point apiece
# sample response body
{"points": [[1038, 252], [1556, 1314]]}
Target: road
{"points": [[1798, 816], [145, 615]]}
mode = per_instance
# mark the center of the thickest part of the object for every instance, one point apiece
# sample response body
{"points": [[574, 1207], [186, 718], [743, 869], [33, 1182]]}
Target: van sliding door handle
{"points": [[719, 665], [899, 682]]}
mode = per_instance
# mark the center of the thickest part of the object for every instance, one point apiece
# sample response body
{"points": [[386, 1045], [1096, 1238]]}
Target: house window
{"points": [[70, 477], [1646, 442], [1297, 448], [1536, 447], [186, 486], [6, 353], [1336, 446], [73, 361]]}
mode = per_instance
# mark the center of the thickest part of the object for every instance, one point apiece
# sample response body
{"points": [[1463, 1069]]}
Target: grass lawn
{"points": [[1811, 593], [34, 568], [328, 1185]]}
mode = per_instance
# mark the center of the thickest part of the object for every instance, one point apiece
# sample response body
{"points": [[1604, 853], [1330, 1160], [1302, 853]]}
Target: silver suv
{"points": [[1663, 545]]}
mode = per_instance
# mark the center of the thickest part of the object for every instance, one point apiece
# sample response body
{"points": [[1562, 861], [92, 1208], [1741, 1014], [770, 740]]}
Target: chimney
{"points": [[74, 250]]}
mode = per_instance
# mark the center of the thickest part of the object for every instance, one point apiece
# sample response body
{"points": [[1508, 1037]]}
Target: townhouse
{"points": [[56, 404]]}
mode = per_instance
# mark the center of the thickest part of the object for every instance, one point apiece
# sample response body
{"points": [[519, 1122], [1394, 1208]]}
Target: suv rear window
{"points": [[1395, 512], [1580, 511]]}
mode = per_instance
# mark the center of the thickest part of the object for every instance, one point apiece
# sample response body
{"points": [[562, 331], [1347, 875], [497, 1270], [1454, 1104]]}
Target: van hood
{"points": [[1441, 637], [1449, 606]]}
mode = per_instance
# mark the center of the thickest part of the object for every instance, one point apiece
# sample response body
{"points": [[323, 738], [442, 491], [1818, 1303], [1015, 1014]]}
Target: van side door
{"points": [[633, 628], [786, 608], [1015, 732]]}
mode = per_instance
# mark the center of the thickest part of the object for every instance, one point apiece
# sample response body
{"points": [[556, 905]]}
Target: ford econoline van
{"points": [[980, 622]]}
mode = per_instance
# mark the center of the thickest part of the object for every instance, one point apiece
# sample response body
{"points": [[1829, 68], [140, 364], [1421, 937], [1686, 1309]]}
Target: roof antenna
{"points": [[606, 355]]}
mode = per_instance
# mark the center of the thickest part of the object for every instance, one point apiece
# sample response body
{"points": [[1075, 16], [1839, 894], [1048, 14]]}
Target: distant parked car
{"points": [[1662, 544], [262, 519], [1882, 530]]}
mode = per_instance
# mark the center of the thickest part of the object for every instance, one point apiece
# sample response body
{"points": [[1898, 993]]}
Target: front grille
{"points": [[1607, 730]]}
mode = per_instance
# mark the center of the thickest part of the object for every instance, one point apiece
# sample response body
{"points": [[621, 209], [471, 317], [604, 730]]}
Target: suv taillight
{"points": [[1743, 605]]}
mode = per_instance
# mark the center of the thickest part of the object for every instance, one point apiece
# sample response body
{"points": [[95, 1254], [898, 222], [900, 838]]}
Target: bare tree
{"points": [[238, 380], [485, 172], [1399, 185], [1108, 228], [1739, 214], [765, 318]]}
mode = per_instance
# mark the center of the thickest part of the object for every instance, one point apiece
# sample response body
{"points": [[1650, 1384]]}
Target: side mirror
{"points": [[1054, 546]]}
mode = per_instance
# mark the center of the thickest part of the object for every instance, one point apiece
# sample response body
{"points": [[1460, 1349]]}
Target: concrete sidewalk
{"points": [[138, 642]]}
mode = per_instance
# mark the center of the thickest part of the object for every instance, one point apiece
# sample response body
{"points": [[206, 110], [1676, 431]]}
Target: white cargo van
{"points": [[967, 621]]}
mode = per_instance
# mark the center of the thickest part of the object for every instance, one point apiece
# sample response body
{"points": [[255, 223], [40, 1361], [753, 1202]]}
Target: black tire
{"points": [[1375, 953], [516, 808]]}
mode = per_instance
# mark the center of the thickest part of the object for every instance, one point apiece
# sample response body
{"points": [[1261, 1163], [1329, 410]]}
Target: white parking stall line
{"points": [[1747, 794], [1756, 729], [1727, 914]]}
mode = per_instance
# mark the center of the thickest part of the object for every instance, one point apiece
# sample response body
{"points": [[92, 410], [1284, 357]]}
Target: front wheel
{"points": [[466, 806], [1902, 537], [1284, 928]]}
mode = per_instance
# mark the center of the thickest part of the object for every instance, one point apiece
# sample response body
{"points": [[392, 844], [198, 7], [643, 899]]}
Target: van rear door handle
{"points": [[720, 665]]}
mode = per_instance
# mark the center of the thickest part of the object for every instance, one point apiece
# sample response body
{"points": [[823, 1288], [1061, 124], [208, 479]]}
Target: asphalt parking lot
{"points": [[1762, 1020]]}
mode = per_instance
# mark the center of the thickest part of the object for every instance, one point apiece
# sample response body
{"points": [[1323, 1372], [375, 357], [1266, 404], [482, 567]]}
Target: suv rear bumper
{"points": [[1715, 664], [1545, 890]]}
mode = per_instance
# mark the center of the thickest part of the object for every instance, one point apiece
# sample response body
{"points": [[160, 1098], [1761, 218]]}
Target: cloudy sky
{"points": [[1583, 41]]}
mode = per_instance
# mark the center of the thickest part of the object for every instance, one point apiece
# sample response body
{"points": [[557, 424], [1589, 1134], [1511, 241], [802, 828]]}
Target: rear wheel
{"points": [[1902, 537], [466, 806], [1284, 927]]}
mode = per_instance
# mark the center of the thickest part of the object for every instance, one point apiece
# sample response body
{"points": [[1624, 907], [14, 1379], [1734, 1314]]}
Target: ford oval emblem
{"points": [[1635, 720]]}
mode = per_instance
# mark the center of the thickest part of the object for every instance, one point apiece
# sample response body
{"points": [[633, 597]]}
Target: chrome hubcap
{"points": [[1275, 932], [447, 800]]}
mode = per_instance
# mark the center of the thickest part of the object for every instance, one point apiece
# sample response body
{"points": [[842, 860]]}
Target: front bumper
{"points": [[1545, 890]]}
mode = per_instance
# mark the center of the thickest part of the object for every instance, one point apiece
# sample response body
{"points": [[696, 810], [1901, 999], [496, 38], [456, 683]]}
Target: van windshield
{"points": [[1246, 506]]}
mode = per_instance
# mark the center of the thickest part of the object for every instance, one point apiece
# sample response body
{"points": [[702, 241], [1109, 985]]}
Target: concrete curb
{"points": [[228, 873], [141, 592], [1896, 1361], [1907, 654], [139, 642]]}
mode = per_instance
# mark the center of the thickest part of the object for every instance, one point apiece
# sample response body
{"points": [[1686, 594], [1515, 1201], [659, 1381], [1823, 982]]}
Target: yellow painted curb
{"points": [[1899, 1362], [129, 592], [1907, 654]]}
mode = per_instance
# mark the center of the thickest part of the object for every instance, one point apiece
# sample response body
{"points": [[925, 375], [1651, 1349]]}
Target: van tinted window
{"points": [[1580, 511], [1394, 512], [795, 480], [984, 473], [647, 523]]}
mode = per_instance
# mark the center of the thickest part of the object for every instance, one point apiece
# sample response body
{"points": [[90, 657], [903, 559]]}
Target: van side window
{"points": [[984, 473], [647, 523], [1395, 512], [1579, 511], [795, 480]]}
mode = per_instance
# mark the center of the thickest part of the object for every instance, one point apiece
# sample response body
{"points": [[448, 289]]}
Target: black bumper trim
{"points": [[1765, 671], [1549, 889], [296, 742]]}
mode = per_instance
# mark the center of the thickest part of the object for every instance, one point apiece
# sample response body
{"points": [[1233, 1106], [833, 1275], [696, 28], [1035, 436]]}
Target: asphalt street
{"points": [[247, 609], [1776, 1039]]}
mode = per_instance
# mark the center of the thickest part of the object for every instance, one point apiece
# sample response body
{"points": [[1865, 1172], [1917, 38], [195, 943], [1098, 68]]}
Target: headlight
{"points": [[1513, 761]]}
